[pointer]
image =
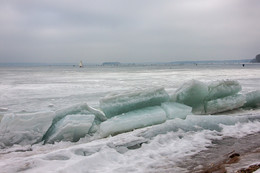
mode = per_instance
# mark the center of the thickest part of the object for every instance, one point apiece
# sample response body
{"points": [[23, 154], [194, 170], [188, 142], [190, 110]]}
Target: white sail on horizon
{"points": [[80, 64]]}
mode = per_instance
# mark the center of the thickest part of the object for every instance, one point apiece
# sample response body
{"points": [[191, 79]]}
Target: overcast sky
{"points": [[66, 31]]}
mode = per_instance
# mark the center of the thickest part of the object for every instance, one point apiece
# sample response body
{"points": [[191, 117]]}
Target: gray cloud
{"points": [[128, 31]]}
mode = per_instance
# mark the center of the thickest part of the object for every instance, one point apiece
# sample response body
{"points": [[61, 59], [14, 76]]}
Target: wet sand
{"points": [[227, 156]]}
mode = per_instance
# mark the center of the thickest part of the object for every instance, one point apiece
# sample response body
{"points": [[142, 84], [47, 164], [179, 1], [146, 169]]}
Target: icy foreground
{"points": [[157, 148], [124, 112]]}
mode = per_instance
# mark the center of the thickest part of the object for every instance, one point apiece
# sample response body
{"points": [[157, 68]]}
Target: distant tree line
{"points": [[257, 58]]}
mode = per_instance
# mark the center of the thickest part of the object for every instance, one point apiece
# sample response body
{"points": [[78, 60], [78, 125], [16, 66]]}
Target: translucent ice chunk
{"points": [[225, 104], [71, 128], [192, 93], [253, 99], [176, 110], [82, 108], [24, 129], [223, 88], [122, 103], [132, 120]]}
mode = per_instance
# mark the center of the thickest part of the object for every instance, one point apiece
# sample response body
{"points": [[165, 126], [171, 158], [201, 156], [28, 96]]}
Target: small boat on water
{"points": [[80, 64]]}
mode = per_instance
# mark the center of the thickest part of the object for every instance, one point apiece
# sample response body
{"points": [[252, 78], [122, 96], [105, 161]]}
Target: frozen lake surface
{"points": [[167, 146]]}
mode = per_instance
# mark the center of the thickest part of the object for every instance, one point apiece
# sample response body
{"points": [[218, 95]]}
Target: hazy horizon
{"points": [[128, 31]]}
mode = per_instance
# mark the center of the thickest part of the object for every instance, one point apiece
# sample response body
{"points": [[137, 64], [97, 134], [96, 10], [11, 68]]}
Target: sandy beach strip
{"points": [[230, 155]]}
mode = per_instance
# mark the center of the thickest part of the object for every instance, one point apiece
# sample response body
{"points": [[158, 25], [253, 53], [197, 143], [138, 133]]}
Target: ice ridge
{"points": [[128, 111]]}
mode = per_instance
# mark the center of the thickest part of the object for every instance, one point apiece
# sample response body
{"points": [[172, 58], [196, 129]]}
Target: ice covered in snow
{"points": [[132, 120], [71, 128], [24, 129], [191, 93], [240, 129], [176, 110], [225, 104], [253, 99], [223, 88], [121, 103]]}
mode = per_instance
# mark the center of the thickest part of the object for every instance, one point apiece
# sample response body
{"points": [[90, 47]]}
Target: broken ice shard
{"points": [[132, 120], [121, 103], [176, 110], [71, 128]]}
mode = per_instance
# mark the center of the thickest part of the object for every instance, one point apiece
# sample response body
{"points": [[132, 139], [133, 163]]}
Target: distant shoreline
{"points": [[107, 64]]}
